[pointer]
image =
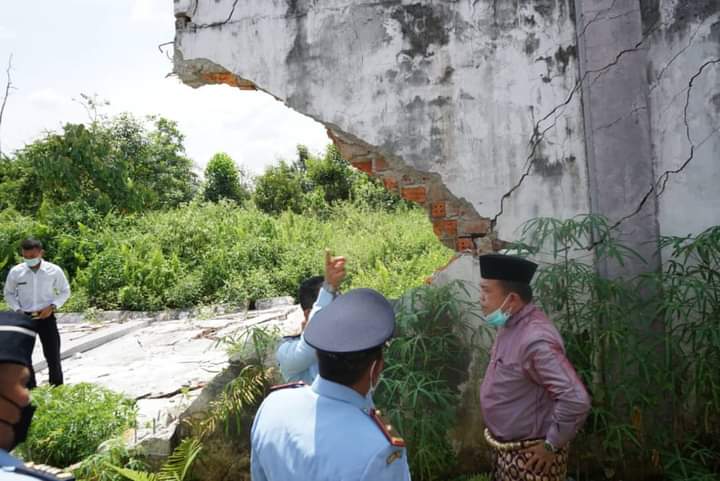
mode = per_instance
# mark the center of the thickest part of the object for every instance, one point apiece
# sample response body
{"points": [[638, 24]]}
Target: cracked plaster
{"points": [[475, 108]]}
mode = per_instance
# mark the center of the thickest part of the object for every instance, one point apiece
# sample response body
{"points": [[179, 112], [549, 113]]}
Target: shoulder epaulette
{"points": [[43, 472], [293, 385], [386, 429]]}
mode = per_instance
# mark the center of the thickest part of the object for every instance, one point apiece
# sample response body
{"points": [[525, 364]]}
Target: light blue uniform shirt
{"points": [[322, 432], [296, 358], [12, 469]]}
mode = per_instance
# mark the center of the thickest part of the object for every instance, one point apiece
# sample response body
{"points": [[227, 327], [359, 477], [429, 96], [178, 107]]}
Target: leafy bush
{"points": [[178, 467], [71, 421], [208, 253], [97, 467], [279, 189], [222, 180], [118, 163], [426, 362], [647, 348]]}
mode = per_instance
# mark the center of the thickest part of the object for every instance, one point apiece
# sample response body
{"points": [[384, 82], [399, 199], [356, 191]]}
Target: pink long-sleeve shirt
{"points": [[530, 389]]}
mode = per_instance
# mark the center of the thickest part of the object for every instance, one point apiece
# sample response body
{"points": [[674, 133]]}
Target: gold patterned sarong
{"points": [[510, 459]]}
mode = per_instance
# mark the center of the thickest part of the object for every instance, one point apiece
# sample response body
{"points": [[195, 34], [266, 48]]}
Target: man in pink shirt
{"points": [[532, 400]]}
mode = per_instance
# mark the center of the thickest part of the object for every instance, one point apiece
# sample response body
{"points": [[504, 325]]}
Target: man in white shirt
{"points": [[296, 358], [38, 288]]}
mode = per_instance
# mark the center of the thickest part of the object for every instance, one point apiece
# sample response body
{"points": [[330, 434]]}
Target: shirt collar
{"points": [[520, 315], [342, 393]]}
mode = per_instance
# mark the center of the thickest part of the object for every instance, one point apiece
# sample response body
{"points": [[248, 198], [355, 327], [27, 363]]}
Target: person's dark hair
{"points": [[521, 289], [308, 291], [346, 368], [30, 244]]}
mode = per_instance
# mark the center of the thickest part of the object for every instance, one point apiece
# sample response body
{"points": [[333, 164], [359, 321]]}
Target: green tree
{"points": [[332, 173], [119, 163], [279, 189], [19, 188], [223, 180]]}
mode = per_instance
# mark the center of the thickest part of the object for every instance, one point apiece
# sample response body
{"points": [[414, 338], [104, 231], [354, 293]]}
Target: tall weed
{"points": [[648, 348]]}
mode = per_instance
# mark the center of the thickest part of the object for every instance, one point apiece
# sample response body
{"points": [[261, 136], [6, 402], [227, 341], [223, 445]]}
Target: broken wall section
{"points": [[453, 103]]}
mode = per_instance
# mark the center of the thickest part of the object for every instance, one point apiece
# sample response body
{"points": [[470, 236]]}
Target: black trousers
{"points": [[50, 339]]}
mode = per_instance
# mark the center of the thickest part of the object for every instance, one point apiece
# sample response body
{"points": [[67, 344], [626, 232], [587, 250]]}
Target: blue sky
{"points": [[110, 49]]}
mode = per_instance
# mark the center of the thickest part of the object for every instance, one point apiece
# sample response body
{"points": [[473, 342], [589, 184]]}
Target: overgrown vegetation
{"points": [[425, 363], [115, 453], [178, 466], [117, 206], [647, 348], [71, 421], [219, 253]]}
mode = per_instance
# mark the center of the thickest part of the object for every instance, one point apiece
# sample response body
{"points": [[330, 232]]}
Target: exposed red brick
{"points": [[391, 183], [380, 164], [449, 227], [365, 166], [437, 209], [228, 79], [465, 244], [437, 228], [414, 194]]}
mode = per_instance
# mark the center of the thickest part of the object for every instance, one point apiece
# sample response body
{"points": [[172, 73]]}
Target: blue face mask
{"points": [[498, 318]]}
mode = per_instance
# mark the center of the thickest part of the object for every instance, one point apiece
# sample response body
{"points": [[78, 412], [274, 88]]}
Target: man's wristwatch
{"points": [[53, 307], [549, 447]]}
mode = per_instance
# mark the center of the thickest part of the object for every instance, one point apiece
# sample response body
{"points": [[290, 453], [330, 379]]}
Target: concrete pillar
{"points": [[612, 51]]}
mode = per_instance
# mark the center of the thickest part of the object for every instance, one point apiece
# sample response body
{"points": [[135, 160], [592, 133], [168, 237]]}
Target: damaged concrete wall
{"points": [[684, 101], [451, 103], [492, 112]]}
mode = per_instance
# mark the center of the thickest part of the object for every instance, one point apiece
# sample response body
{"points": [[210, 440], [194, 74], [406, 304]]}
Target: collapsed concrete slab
{"points": [[165, 365]]}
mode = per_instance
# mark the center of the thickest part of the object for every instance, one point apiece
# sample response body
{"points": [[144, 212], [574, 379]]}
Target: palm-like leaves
{"points": [[178, 466]]}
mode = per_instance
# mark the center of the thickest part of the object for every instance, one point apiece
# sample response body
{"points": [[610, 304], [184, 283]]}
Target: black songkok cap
{"points": [[17, 339], [357, 321], [507, 268]]}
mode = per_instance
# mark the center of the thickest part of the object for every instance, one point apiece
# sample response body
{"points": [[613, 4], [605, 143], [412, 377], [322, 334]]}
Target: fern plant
{"points": [[178, 466], [238, 397]]}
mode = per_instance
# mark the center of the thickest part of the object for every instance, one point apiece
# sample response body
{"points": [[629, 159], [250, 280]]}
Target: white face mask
{"points": [[32, 262]]}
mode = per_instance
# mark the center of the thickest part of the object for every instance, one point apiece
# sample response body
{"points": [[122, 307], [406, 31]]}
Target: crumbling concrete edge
{"points": [[455, 221]]}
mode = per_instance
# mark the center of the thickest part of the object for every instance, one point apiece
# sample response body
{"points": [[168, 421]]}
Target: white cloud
{"points": [[127, 69], [252, 127]]}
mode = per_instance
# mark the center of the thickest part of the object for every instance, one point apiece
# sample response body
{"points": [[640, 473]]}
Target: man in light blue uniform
{"points": [[330, 431], [17, 340], [296, 358]]}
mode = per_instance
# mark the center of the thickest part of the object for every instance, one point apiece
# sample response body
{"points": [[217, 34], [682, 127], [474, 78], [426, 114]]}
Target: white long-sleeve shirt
{"points": [[296, 358], [31, 291]]}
